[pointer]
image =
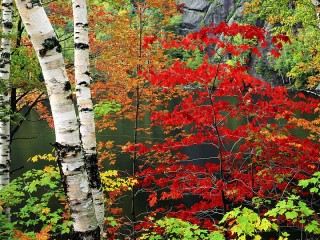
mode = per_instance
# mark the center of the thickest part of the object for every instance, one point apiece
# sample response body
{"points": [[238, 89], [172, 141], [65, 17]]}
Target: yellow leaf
{"points": [[34, 158], [48, 169], [257, 237], [45, 210]]}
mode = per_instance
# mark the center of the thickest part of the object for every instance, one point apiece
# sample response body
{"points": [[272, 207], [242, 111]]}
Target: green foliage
{"points": [[6, 227], [285, 15], [174, 23], [4, 114], [313, 183], [245, 222], [111, 5], [296, 57], [242, 58], [296, 211], [25, 72], [313, 227], [178, 229], [103, 108], [11, 195], [31, 199], [299, 62], [111, 220], [16, 117], [192, 58], [290, 209]]}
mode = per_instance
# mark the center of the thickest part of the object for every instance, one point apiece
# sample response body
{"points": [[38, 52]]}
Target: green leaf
{"points": [[265, 224], [317, 174], [302, 221], [304, 209], [291, 215], [310, 227], [314, 190], [285, 234], [313, 227], [216, 235], [104, 108], [273, 212], [111, 221], [257, 237]]}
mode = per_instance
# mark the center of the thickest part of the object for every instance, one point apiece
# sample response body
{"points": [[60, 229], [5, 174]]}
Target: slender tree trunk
{"points": [[135, 133], [134, 163], [85, 106], [68, 147], [4, 95]]}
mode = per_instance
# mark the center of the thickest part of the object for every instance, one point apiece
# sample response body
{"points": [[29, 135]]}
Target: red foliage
{"points": [[259, 158]]}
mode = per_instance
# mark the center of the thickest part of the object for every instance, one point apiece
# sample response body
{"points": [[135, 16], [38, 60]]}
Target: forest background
{"points": [[242, 87]]}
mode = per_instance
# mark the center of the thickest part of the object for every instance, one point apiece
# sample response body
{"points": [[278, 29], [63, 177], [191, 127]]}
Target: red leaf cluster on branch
{"points": [[260, 157]]}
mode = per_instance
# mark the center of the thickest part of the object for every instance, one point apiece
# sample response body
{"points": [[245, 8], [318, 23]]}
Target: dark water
{"points": [[34, 137]]}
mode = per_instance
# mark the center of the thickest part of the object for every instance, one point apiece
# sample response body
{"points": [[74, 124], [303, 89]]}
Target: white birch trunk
{"points": [[68, 147], [4, 95], [85, 106]]}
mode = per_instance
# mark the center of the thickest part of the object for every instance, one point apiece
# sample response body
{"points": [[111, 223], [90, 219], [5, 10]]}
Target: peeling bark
{"points": [[85, 106], [5, 59], [68, 146]]}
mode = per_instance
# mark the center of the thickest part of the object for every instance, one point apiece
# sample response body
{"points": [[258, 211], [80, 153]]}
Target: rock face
{"points": [[199, 13]]}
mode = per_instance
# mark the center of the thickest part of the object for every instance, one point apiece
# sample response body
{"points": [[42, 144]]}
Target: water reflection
{"points": [[34, 137]]}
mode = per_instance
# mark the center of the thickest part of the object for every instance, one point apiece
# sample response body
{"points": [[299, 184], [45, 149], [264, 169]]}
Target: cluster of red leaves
{"points": [[209, 36], [259, 158]]}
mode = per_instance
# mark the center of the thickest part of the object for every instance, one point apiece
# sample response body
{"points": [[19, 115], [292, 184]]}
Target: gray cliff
{"points": [[200, 13]]}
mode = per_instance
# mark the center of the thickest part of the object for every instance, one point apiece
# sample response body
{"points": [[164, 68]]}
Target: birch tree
{"points": [[68, 146], [85, 106], [4, 94]]}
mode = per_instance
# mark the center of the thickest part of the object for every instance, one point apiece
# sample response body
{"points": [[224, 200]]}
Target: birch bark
{"points": [[4, 95], [68, 147], [85, 106]]}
